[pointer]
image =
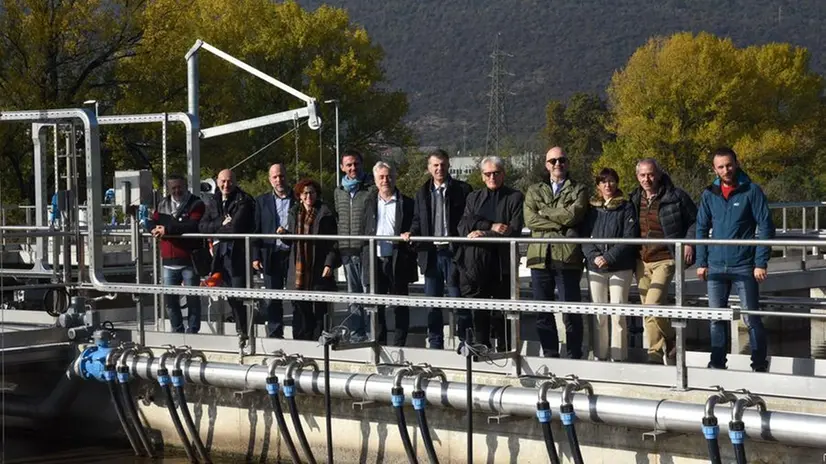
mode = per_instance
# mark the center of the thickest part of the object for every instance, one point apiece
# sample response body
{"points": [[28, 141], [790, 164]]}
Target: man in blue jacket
{"points": [[732, 207]]}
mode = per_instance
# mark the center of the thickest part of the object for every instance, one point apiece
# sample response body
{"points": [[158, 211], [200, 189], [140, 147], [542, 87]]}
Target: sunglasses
{"points": [[553, 161], [491, 173]]}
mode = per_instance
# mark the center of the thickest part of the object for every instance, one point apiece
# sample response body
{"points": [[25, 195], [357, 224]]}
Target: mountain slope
{"points": [[439, 51]]}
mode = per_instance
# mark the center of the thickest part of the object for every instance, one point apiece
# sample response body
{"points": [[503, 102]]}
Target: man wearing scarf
{"points": [[349, 202], [178, 213]]}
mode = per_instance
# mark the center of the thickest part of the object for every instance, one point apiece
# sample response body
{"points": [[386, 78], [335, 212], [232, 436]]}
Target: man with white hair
{"points": [[485, 269], [665, 211], [389, 213]]}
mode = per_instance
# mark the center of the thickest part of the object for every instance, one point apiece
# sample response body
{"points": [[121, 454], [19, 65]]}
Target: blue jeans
{"points": [[720, 282], [566, 282], [174, 277], [357, 322], [436, 280]]}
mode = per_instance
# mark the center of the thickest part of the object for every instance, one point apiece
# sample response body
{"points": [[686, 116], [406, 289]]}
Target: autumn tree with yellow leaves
{"points": [[680, 97]]}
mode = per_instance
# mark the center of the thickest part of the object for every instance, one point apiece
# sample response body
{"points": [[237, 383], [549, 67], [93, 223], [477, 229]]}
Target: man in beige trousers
{"points": [[665, 211]]}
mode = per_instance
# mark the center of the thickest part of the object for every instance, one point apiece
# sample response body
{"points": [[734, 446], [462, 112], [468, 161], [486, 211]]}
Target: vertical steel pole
{"points": [[804, 229], [785, 224], [192, 83], [163, 152], [679, 324], [249, 303], [817, 228], [338, 152]]}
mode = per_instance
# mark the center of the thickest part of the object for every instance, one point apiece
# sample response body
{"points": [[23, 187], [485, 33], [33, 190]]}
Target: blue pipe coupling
{"points": [[92, 365], [543, 412], [566, 412], [272, 385], [163, 377], [418, 400], [289, 388], [397, 397], [737, 432], [710, 428], [177, 378]]}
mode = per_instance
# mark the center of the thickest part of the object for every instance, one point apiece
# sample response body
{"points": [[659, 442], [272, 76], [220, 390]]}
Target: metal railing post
{"points": [[137, 297], [804, 228], [817, 228], [679, 325], [371, 281], [160, 299], [249, 303], [785, 224], [514, 317]]}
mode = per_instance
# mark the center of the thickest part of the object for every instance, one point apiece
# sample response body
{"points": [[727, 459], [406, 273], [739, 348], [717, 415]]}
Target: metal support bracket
{"points": [[241, 394], [498, 419], [362, 405], [653, 434]]}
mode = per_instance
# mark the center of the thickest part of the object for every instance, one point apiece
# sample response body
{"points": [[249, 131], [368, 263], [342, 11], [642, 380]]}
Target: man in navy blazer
{"points": [[439, 205], [271, 256]]}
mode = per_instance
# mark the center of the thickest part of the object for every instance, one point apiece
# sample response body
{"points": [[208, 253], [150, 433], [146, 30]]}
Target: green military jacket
{"points": [[548, 215]]}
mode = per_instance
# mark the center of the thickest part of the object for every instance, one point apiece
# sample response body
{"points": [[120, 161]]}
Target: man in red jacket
{"points": [[179, 213]]}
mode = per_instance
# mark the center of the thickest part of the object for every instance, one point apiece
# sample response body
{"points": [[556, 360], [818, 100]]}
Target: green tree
{"points": [[680, 97], [129, 55], [579, 126]]}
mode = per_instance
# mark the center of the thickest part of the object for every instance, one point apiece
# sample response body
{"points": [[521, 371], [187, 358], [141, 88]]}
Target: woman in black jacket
{"points": [[311, 261], [610, 266]]}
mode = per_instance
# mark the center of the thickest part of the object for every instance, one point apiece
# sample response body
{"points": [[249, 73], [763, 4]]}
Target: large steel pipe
{"points": [[794, 429]]}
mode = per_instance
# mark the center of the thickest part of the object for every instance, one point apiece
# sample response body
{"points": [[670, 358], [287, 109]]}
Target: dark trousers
{"points": [[486, 324], [566, 282], [387, 284], [275, 276], [308, 319], [237, 279], [438, 277]]}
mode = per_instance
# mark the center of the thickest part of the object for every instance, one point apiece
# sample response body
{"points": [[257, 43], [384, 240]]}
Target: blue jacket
{"points": [[736, 218]]}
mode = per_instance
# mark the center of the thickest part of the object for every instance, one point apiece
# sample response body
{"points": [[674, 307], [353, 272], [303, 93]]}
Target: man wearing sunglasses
{"points": [[555, 208], [484, 268]]}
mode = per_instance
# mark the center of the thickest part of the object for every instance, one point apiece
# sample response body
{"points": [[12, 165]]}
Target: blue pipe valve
{"points": [[737, 432], [163, 377], [543, 412], [710, 428], [272, 385], [397, 397], [566, 412], [418, 400], [92, 364]]}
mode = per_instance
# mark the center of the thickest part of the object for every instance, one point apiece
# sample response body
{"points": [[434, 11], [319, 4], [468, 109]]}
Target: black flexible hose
{"points": [[418, 405], [543, 413], [113, 392], [737, 434], [129, 400], [740, 453], [289, 392], [711, 431], [568, 418], [272, 390], [178, 381], [397, 398], [163, 380], [328, 403]]}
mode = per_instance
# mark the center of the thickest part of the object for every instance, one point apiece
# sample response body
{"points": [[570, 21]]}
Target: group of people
{"points": [[732, 207]]}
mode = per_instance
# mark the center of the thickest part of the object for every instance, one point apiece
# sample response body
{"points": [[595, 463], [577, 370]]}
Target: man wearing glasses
{"points": [[484, 269], [555, 208]]}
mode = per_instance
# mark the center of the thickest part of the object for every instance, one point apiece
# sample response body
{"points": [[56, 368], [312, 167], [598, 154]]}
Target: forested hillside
{"points": [[438, 51]]}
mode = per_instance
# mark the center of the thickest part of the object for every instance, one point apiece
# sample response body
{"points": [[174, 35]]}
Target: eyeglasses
{"points": [[553, 161], [491, 173]]}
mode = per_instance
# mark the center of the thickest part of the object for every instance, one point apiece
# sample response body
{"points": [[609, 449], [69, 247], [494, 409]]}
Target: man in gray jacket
{"points": [[349, 202]]}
